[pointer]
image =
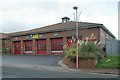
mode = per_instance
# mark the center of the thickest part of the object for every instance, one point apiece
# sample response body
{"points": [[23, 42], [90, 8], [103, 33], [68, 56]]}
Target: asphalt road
{"points": [[50, 60], [16, 72], [42, 67]]}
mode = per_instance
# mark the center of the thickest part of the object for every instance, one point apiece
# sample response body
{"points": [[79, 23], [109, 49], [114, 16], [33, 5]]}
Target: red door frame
{"points": [[17, 47], [41, 46]]}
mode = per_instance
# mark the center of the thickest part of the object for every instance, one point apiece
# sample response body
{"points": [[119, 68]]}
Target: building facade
{"points": [[4, 43], [51, 39]]}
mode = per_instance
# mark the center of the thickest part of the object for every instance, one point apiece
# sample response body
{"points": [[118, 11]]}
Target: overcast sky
{"points": [[21, 15]]}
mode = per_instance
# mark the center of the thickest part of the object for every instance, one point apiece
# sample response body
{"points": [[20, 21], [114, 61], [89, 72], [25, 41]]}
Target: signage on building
{"points": [[31, 36], [16, 38], [55, 34], [40, 35], [35, 36]]}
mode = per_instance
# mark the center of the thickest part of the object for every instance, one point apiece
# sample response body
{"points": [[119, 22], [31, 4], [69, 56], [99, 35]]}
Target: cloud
{"points": [[119, 20], [110, 23], [20, 15]]}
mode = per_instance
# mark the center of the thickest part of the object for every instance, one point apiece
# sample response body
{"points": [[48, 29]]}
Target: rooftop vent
{"points": [[65, 19]]}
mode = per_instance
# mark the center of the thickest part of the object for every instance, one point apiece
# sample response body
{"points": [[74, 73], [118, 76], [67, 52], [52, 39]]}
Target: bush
{"points": [[70, 51], [88, 49], [73, 59], [3, 50]]}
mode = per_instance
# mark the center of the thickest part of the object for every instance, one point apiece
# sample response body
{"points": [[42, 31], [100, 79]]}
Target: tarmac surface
{"points": [[50, 60], [29, 66]]}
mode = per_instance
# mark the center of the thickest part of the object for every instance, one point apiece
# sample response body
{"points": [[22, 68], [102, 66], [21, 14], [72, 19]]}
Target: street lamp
{"points": [[75, 8]]}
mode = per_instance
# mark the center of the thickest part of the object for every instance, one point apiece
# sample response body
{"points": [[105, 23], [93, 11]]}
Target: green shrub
{"points": [[73, 59], [109, 62], [3, 50], [70, 51], [88, 49]]}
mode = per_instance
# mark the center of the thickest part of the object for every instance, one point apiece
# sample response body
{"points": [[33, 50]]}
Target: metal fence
{"points": [[112, 47], [119, 47]]}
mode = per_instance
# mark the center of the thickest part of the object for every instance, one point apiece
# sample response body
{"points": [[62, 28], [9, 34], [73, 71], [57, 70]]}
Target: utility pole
{"points": [[75, 8]]}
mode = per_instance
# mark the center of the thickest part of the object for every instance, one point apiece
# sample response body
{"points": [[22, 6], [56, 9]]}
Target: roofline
{"points": [[57, 30], [4, 37], [93, 25], [104, 28]]}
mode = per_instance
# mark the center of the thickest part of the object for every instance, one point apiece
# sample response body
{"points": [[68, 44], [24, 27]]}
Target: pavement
{"points": [[99, 71]]}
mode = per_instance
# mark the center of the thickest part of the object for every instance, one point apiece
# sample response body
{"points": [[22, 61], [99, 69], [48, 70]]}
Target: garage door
{"points": [[41, 46], [17, 47], [57, 46], [28, 46]]}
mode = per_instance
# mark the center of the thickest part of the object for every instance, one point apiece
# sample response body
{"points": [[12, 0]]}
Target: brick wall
{"points": [[97, 33], [6, 45]]}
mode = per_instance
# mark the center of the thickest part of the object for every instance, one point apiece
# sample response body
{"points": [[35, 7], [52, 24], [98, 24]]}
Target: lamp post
{"points": [[75, 8]]}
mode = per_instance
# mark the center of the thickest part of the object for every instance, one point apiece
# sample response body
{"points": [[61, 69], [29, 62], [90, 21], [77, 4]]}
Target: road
{"points": [[32, 59], [42, 67]]}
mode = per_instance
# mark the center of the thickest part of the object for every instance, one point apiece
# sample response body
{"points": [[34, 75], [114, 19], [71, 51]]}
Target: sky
{"points": [[119, 20], [21, 15]]}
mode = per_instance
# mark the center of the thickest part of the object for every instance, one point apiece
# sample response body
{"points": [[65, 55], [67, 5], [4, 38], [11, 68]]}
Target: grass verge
{"points": [[109, 62]]}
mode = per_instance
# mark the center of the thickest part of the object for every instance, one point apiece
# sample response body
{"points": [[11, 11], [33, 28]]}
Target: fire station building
{"points": [[51, 39]]}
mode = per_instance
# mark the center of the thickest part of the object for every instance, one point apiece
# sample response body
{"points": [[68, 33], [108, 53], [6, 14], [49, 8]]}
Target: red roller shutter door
{"points": [[57, 46], [29, 46], [41, 47], [17, 47]]}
